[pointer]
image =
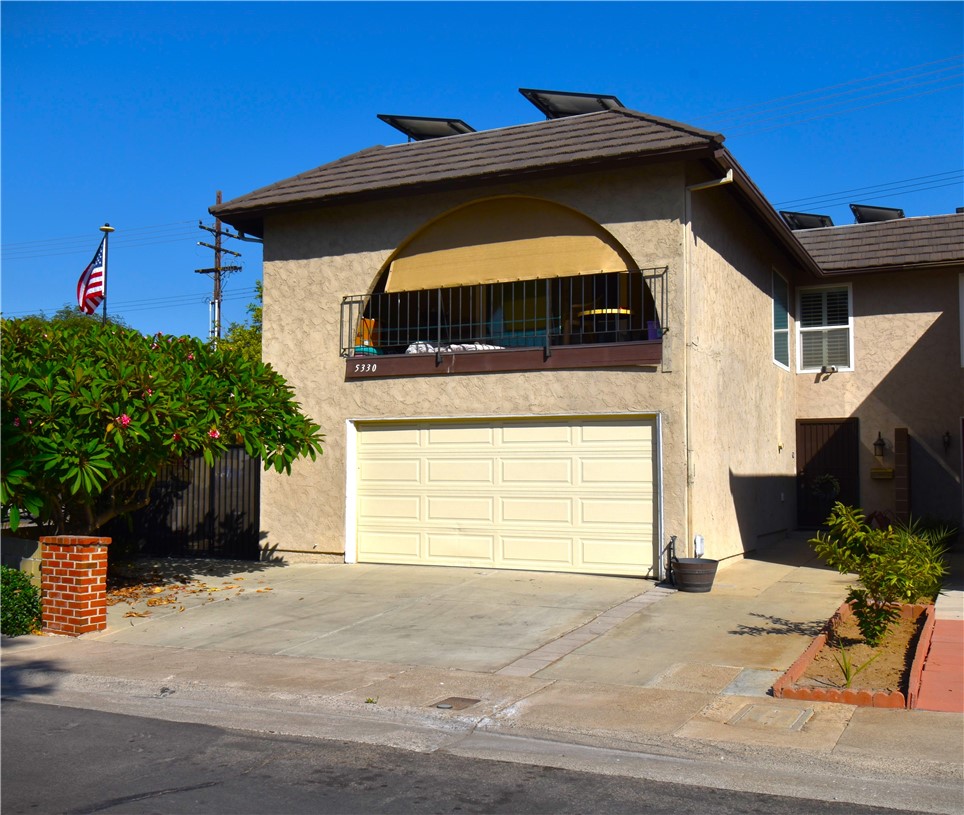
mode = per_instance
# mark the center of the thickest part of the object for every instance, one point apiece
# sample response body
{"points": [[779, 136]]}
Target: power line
{"points": [[752, 130], [172, 301], [934, 181], [770, 102]]}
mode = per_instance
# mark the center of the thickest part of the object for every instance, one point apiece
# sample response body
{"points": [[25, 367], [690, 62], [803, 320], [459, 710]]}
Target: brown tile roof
{"points": [[593, 138], [925, 241]]}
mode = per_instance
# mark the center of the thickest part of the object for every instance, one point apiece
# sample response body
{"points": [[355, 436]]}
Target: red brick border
{"points": [[783, 687], [73, 581]]}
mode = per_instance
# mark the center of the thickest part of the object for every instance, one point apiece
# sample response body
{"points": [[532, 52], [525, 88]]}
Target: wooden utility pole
{"points": [[217, 271]]}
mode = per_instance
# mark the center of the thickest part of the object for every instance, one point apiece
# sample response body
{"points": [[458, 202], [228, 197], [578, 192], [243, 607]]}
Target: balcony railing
{"points": [[604, 308]]}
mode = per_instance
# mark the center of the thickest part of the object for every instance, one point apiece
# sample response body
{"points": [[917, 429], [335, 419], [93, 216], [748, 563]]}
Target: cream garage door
{"points": [[574, 495]]}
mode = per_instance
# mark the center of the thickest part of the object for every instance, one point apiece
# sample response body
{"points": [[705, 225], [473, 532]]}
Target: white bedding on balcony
{"points": [[431, 348]]}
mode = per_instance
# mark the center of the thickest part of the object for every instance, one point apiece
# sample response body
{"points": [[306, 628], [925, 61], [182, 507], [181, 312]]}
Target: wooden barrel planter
{"points": [[694, 574]]}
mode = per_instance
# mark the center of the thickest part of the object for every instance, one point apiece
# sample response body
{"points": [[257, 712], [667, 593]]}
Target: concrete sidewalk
{"points": [[610, 674]]}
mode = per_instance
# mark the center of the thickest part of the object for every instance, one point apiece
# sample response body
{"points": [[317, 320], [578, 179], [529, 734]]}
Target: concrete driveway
{"points": [[760, 615]]}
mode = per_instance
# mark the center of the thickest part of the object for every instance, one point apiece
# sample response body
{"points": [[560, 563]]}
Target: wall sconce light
{"points": [[946, 438], [880, 447]]}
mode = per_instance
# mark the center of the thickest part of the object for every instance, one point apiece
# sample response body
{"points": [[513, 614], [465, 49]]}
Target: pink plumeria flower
{"points": [[176, 436], [123, 420], [16, 422], [214, 433], [190, 357], [149, 391]]}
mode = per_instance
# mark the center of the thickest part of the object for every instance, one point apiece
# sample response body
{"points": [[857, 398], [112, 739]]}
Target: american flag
{"points": [[93, 282]]}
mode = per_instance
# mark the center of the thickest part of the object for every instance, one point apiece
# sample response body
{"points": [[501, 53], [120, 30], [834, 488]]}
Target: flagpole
{"points": [[106, 229]]}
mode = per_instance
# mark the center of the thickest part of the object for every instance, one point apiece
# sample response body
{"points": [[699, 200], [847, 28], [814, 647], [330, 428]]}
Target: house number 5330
{"points": [[366, 367]]}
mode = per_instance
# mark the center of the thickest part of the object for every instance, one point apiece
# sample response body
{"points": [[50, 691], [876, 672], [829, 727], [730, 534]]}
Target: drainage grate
{"points": [[773, 717], [455, 703]]}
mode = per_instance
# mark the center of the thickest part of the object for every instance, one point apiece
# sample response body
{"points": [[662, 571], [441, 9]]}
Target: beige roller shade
{"points": [[505, 239]]}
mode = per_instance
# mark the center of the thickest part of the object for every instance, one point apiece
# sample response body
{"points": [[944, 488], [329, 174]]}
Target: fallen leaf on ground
{"points": [[136, 614]]}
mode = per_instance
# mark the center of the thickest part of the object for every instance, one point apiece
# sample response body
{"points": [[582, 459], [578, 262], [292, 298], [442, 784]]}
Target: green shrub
{"points": [[19, 603], [894, 564]]}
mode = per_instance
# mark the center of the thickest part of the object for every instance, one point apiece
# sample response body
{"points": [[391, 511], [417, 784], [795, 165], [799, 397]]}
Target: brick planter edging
{"points": [[783, 687], [73, 584]]}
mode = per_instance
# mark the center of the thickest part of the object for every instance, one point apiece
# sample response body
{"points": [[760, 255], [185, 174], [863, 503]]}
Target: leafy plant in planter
{"points": [[91, 413], [893, 564]]}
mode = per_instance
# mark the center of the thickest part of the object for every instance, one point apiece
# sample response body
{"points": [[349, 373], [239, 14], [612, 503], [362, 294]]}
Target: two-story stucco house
{"points": [[555, 345]]}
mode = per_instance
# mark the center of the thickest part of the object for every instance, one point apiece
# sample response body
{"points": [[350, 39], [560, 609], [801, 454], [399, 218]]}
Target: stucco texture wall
{"points": [[314, 259], [741, 402], [907, 373]]}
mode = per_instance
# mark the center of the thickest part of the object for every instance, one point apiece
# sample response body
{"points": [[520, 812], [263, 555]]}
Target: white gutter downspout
{"points": [[687, 428]]}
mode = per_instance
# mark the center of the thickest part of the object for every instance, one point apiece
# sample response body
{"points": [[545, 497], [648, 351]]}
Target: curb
{"points": [[783, 687]]}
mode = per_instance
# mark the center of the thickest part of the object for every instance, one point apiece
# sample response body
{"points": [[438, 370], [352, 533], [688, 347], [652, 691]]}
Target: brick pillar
{"points": [[73, 578]]}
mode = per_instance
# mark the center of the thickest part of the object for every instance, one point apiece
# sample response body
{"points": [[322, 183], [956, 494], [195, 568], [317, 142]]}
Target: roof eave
{"points": [[766, 211], [897, 267], [250, 219]]}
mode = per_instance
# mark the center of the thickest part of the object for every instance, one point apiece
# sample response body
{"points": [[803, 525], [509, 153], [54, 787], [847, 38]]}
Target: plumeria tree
{"points": [[92, 412]]}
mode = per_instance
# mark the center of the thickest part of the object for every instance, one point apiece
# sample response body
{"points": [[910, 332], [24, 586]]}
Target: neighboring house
{"points": [[897, 287], [550, 346]]}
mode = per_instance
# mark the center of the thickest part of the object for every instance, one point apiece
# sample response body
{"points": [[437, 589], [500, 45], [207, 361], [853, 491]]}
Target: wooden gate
{"points": [[827, 468], [198, 510]]}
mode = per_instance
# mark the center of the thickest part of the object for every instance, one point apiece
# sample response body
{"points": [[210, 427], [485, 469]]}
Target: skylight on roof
{"points": [[805, 220], [867, 214], [558, 104], [420, 128]]}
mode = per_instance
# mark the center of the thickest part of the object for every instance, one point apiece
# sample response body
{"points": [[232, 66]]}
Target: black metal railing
{"points": [[580, 310]]}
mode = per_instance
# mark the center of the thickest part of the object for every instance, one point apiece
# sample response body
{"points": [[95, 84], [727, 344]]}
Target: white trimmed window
{"points": [[781, 320], [825, 329]]}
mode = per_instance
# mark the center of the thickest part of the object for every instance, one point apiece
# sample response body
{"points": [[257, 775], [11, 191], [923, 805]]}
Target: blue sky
{"points": [[136, 113]]}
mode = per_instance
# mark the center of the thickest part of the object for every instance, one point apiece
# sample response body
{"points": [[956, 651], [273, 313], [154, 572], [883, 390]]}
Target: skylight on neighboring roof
{"points": [[867, 214], [558, 104], [420, 128], [806, 220]]}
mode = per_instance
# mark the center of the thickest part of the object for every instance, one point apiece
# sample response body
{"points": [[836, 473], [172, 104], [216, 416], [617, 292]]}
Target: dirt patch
{"points": [[886, 668]]}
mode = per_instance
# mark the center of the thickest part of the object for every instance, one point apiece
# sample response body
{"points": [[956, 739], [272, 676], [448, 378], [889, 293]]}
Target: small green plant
{"points": [[19, 603], [893, 564], [371, 700], [847, 668]]}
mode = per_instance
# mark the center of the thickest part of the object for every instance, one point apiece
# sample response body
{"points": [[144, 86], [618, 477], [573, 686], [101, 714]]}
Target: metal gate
{"points": [[198, 510], [827, 468]]}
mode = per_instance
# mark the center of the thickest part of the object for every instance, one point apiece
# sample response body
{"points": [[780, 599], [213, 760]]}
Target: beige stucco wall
{"points": [[742, 404], [314, 259], [907, 373]]}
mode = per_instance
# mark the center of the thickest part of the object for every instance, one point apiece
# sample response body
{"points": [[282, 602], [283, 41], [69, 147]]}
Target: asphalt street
{"points": [[80, 762]]}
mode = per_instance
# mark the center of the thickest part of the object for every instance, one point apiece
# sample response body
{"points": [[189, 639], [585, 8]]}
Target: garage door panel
{"points": [[537, 510], [616, 433], [391, 471], [557, 494], [617, 472], [461, 546], [532, 471], [396, 545], [521, 550], [390, 508], [389, 435], [460, 508], [461, 471], [610, 551], [551, 434], [616, 512], [461, 436]]}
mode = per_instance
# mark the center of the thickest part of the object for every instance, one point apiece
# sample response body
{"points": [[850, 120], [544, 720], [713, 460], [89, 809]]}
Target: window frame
{"points": [[801, 329], [782, 332]]}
